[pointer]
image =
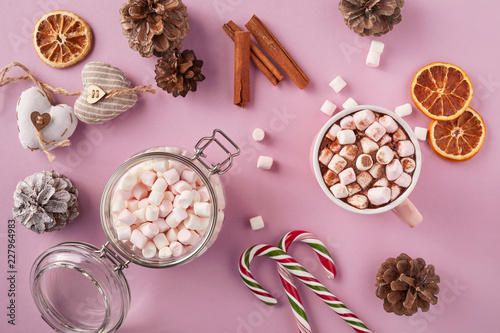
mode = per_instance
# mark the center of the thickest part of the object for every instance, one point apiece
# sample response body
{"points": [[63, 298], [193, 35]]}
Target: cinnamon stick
{"points": [[241, 68], [257, 56], [277, 52]]}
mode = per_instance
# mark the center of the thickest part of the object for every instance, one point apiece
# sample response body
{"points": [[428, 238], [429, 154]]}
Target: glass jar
{"points": [[78, 287]]}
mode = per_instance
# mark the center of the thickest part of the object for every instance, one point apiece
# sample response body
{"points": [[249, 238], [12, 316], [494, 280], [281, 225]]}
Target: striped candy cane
{"points": [[287, 279], [300, 273]]}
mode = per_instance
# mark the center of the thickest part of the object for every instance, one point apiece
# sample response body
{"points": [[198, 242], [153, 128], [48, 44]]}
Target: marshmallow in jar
{"points": [[161, 208]]}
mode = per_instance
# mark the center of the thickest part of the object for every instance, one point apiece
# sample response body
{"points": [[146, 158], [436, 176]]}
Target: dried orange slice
{"points": [[441, 91], [458, 139], [61, 38]]}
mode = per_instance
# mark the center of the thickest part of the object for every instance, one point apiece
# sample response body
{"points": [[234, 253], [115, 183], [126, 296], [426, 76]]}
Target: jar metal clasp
{"points": [[216, 168], [118, 262]]}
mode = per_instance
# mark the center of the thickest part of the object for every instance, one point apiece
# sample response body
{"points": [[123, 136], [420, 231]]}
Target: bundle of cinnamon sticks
{"points": [[246, 50]]}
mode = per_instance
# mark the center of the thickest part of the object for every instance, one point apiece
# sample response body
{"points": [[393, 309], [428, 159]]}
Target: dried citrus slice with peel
{"points": [[61, 38], [458, 139], [441, 91]]}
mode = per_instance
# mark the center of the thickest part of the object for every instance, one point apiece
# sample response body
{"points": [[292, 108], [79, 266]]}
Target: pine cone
{"points": [[407, 284], [178, 73], [371, 17], [154, 26], [45, 201]]}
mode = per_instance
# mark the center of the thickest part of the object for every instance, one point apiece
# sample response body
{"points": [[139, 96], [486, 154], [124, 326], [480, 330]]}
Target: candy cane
{"points": [[302, 274], [287, 279]]}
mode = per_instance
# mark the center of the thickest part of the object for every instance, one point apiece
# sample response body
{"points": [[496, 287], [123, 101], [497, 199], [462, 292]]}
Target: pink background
{"points": [[459, 201]]}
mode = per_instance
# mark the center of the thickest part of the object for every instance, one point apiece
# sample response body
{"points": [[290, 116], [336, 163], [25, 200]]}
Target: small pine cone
{"points": [[154, 26], [45, 201], [407, 284], [371, 17], [178, 73]]}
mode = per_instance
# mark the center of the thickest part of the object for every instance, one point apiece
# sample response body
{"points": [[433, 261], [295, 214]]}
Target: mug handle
{"points": [[408, 213]]}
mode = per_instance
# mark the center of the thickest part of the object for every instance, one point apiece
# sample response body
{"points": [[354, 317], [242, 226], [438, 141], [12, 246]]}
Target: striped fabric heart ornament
{"points": [[100, 77]]}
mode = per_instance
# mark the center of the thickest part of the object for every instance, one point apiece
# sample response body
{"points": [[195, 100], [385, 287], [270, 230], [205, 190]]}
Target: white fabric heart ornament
{"points": [[101, 76], [56, 123]]}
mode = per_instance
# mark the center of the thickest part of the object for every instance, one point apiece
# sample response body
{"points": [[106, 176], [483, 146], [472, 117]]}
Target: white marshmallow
{"points": [[160, 164], [258, 134], [140, 191], [185, 198], [188, 237], [160, 240], [350, 102], [190, 176], [265, 162], [368, 145], [325, 156], [363, 119], [346, 137], [165, 208], [349, 152], [177, 248], [399, 135], [373, 59], [152, 213], [147, 165], [348, 123], [338, 84], [386, 139], [202, 209], [160, 185], [123, 195], [353, 188], [385, 155], [339, 191], [359, 201], [394, 169], [347, 176], [149, 250], [337, 164], [332, 132], [144, 203], [379, 195], [194, 222], [404, 180], [421, 133], [128, 181], [172, 150], [389, 123], [377, 46], [364, 162], [117, 206], [138, 239], [408, 164], [204, 194], [395, 192], [172, 235], [149, 229], [256, 223], [179, 214], [141, 215], [328, 108], [405, 148], [161, 224], [178, 166], [164, 253], [196, 197], [156, 197], [133, 205], [377, 170], [149, 178], [124, 232], [364, 179], [404, 110], [330, 178], [180, 227], [375, 131], [171, 176], [181, 186], [382, 182]]}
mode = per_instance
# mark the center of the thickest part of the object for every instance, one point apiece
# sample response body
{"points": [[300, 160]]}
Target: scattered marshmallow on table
{"points": [[373, 57], [403, 110], [377, 46], [338, 84], [421, 133], [256, 222], [328, 108], [265, 162], [350, 102], [258, 134]]}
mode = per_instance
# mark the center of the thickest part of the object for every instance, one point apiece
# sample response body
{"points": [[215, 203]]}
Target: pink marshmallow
{"points": [[405, 148], [148, 178], [177, 248], [140, 191], [190, 176], [177, 166], [196, 223], [126, 217], [379, 195], [179, 214], [172, 235], [171, 221], [159, 185], [393, 170], [132, 205], [149, 229], [123, 195], [375, 131], [204, 194], [348, 123], [144, 203], [363, 119], [404, 180], [389, 123], [347, 176], [138, 239], [188, 237], [165, 208], [171, 176], [181, 186], [161, 224]]}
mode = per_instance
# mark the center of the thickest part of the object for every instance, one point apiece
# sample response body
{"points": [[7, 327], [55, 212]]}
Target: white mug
{"points": [[402, 206]]}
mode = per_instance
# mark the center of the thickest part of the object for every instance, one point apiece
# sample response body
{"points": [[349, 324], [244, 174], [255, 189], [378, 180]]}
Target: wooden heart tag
{"points": [[95, 94], [40, 120]]}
